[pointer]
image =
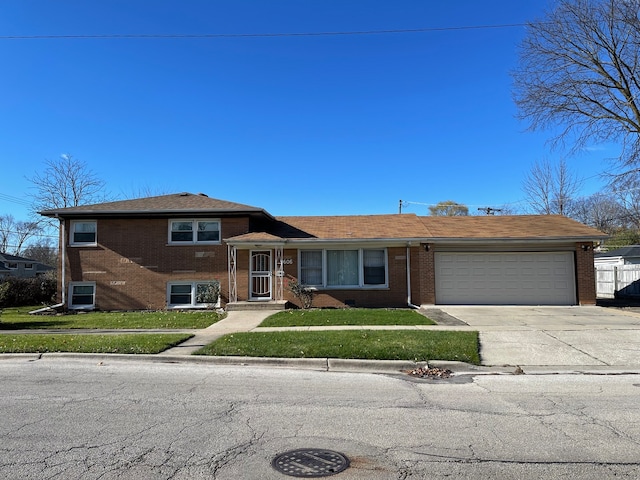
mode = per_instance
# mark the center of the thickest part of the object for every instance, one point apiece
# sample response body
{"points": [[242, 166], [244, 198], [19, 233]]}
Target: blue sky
{"points": [[298, 125]]}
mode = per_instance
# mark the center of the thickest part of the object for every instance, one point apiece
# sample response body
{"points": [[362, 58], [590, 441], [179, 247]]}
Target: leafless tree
{"points": [[6, 229], [66, 182], [626, 191], [15, 234], [579, 71], [449, 208], [602, 211], [551, 189], [43, 251]]}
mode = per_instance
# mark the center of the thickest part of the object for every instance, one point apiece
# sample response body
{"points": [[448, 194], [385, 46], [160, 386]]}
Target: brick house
{"points": [[179, 250]]}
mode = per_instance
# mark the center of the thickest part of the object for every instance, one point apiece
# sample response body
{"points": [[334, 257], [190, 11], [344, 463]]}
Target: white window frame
{"points": [[194, 289], [28, 266], [71, 306], [360, 285], [194, 231], [12, 265], [72, 231]]}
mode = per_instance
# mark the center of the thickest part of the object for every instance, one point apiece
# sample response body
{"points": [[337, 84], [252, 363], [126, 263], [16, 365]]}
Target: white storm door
{"points": [[260, 275]]}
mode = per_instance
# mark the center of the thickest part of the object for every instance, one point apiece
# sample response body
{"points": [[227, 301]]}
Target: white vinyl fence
{"points": [[617, 281]]}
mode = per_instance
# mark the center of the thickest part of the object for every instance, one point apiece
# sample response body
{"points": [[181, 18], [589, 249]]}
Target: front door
{"points": [[260, 275]]}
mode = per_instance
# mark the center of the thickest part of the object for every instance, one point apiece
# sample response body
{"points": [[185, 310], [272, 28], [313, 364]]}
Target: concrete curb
{"points": [[336, 365]]}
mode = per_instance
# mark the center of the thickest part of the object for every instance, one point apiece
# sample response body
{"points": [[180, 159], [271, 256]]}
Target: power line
{"points": [[19, 201], [255, 35]]}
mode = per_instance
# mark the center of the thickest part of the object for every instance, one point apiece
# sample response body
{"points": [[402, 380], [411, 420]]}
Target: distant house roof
{"points": [[174, 204], [627, 252], [14, 258], [5, 257]]}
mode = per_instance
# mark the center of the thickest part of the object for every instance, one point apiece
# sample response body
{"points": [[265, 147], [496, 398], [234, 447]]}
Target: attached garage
{"points": [[500, 278]]}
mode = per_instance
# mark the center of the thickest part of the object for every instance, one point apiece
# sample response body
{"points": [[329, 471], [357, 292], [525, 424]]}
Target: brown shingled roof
{"points": [[354, 227], [176, 203], [508, 227]]}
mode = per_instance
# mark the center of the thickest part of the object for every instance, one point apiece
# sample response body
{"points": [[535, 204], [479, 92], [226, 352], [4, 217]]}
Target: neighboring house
{"points": [[14, 266], [169, 251], [629, 255]]}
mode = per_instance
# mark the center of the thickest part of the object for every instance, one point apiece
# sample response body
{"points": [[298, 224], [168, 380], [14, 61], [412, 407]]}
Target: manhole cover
{"points": [[310, 463]]}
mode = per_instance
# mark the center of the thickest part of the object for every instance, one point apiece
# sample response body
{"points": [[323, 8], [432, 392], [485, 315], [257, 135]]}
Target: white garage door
{"points": [[505, 278]]}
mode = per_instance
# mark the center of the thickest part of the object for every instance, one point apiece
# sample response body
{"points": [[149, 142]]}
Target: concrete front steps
{"points": [[256, 305]]}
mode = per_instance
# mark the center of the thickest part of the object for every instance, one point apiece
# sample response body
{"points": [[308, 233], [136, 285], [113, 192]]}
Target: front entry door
{"points": [[260, 275]]}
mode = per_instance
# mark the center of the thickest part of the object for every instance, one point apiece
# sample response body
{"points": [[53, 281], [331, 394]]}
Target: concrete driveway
{"points": [[554, 336]]}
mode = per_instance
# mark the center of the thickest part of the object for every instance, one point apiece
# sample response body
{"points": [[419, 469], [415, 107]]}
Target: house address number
{"points": [[287, 261]]}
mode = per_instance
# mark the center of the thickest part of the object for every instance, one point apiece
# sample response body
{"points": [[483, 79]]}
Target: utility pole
{"points": [[400, 207], [489, 210]]}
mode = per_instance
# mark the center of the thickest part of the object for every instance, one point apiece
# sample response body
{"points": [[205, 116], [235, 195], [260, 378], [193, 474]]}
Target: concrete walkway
{"points": [[235, 321]]}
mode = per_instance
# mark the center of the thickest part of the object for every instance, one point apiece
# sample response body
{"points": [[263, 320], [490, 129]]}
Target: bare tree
{"points": [[626, 190], [6, 229], [43, 251], [66, 182], [602, 211], [15, 234], [449, 208], [551, 189], [579, 70]]}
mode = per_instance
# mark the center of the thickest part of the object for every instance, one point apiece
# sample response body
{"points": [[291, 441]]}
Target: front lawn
{"points": [[350, 316], [128, 343], [18, 318], [411, 345]]}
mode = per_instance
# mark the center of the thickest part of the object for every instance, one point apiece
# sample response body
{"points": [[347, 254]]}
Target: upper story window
{"points": [[187, 231], [83, 232], [12, 265], [357, 268], [28, 266]]}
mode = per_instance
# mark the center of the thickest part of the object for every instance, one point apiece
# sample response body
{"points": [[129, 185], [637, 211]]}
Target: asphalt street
{"points": [[80, 418]]}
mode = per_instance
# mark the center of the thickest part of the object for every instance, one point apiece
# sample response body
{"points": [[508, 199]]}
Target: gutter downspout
{"points": [[409, 278], [63, 270]]}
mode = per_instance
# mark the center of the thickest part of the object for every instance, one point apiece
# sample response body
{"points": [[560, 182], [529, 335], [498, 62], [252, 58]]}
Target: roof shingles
{"points": [[178, 203]]}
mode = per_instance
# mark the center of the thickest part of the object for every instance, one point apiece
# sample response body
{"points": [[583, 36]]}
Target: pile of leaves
{"points": [[425, 372]]}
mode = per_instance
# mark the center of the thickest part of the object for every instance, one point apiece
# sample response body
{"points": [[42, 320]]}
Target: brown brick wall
{"points": [[395, 296], [133, 262], [585, 274], [424, 292]]}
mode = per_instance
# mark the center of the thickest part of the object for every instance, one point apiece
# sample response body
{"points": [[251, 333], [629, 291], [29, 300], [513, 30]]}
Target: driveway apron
{"points": [[554, 336]]}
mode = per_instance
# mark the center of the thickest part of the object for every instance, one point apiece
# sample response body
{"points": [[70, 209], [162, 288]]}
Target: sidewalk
{"points": [[506, 347], [234, 322]]}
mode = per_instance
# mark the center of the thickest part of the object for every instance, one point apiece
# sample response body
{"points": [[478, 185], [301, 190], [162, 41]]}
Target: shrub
{"points": [[301, 292], [17, 292]]}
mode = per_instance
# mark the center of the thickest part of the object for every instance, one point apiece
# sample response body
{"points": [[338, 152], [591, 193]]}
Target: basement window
{"points": [[82, 295], [193, 294]]}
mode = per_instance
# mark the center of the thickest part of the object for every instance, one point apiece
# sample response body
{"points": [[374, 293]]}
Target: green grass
{"points": [[19, 318], [351, 316], [126, 343], [362, 344]]}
